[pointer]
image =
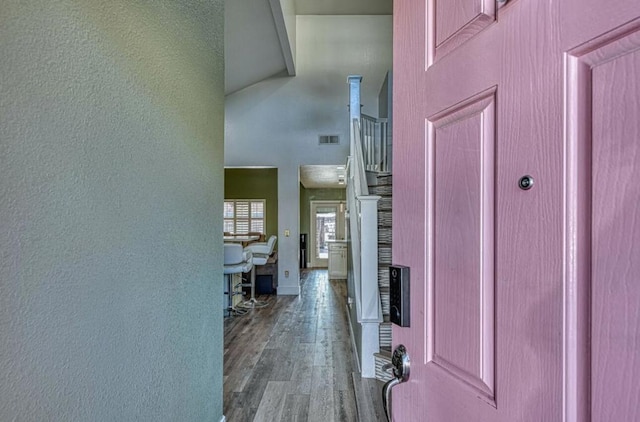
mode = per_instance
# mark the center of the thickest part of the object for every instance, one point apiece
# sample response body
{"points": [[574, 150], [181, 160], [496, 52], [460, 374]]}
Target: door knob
{"points": [[400, 365]]}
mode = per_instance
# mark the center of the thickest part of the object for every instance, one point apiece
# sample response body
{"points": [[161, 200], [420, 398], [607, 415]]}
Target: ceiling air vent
{"points": [[328, 139]]}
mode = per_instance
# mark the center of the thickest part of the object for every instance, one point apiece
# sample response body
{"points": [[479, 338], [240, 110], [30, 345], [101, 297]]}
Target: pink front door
{"points": [[516, 206]]}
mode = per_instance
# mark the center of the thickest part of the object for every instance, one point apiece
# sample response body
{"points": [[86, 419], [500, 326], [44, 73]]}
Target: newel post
{"points": [[370, 296], [369, 257]]}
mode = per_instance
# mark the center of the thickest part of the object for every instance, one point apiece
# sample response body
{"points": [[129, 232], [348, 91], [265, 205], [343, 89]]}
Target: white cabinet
{"points": [[338, 259]]}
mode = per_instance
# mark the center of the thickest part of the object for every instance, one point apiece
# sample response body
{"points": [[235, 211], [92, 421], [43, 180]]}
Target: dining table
{"points": [[241, 238]]}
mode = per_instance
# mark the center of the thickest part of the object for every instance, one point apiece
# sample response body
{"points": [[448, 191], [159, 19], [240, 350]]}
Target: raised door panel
{"points": [[615, 327], [604, 225], [462, 144], [455, 21]]}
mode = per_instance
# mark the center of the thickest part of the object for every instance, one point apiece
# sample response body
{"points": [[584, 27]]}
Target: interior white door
{"points": [[327, 223]]}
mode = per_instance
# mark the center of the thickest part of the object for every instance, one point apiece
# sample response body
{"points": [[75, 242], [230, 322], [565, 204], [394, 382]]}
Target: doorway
{"points": [[327, 223]]}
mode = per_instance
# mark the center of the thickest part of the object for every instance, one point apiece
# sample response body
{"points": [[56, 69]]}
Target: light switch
{"points": [[287, 233]]}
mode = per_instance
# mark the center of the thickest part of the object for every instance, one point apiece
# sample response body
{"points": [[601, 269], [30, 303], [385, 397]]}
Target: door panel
{"points": [[603, 292], [616, 239], [458, 20], [463, 148], [510, 286]]}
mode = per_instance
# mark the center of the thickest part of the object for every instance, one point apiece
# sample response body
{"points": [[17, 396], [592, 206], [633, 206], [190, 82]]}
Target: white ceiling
{"points": [[319, 177]]}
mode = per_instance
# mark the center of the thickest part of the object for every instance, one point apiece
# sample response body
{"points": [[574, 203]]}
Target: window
{"points": [[242, 216]]}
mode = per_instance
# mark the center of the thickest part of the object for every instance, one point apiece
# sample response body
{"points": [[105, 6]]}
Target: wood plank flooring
{"points": [[292, 361]]}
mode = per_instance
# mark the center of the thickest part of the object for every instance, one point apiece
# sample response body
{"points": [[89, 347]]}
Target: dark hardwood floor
{"points": [[292, 361]]}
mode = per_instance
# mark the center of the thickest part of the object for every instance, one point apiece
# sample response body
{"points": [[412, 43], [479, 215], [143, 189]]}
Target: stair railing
{"points": [[363, 235], [363, 218], [375, 144]]}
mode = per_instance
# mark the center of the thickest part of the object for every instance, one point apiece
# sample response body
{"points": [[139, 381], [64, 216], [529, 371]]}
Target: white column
{"points": [[288, 222], [369, 257], [371, 315]]}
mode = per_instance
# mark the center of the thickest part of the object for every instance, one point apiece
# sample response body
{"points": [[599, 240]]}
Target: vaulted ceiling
{"points": [[255, 31], [257, 48]]}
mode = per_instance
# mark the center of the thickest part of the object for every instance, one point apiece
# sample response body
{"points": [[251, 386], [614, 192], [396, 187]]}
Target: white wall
{"points": [[111, 169], [276, 122]]}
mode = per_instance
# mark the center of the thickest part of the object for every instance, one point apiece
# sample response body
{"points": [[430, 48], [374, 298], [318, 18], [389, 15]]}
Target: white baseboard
{"points": [[370, 345], [288, 290]]}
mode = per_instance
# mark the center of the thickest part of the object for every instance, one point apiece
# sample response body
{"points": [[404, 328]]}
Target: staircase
{"points": [[381, 184], [369, 204]]}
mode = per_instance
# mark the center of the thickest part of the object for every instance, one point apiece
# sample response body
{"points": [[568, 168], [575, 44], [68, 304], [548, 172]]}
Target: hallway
{"points": [[292, 361]]}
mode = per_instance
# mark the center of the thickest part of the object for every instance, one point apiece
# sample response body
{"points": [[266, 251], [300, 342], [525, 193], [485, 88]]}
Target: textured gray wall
{"points": [[111, 169]]}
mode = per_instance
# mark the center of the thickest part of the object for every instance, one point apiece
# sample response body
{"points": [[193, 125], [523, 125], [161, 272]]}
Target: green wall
{"points": [[255, 184], [308, 195]]}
